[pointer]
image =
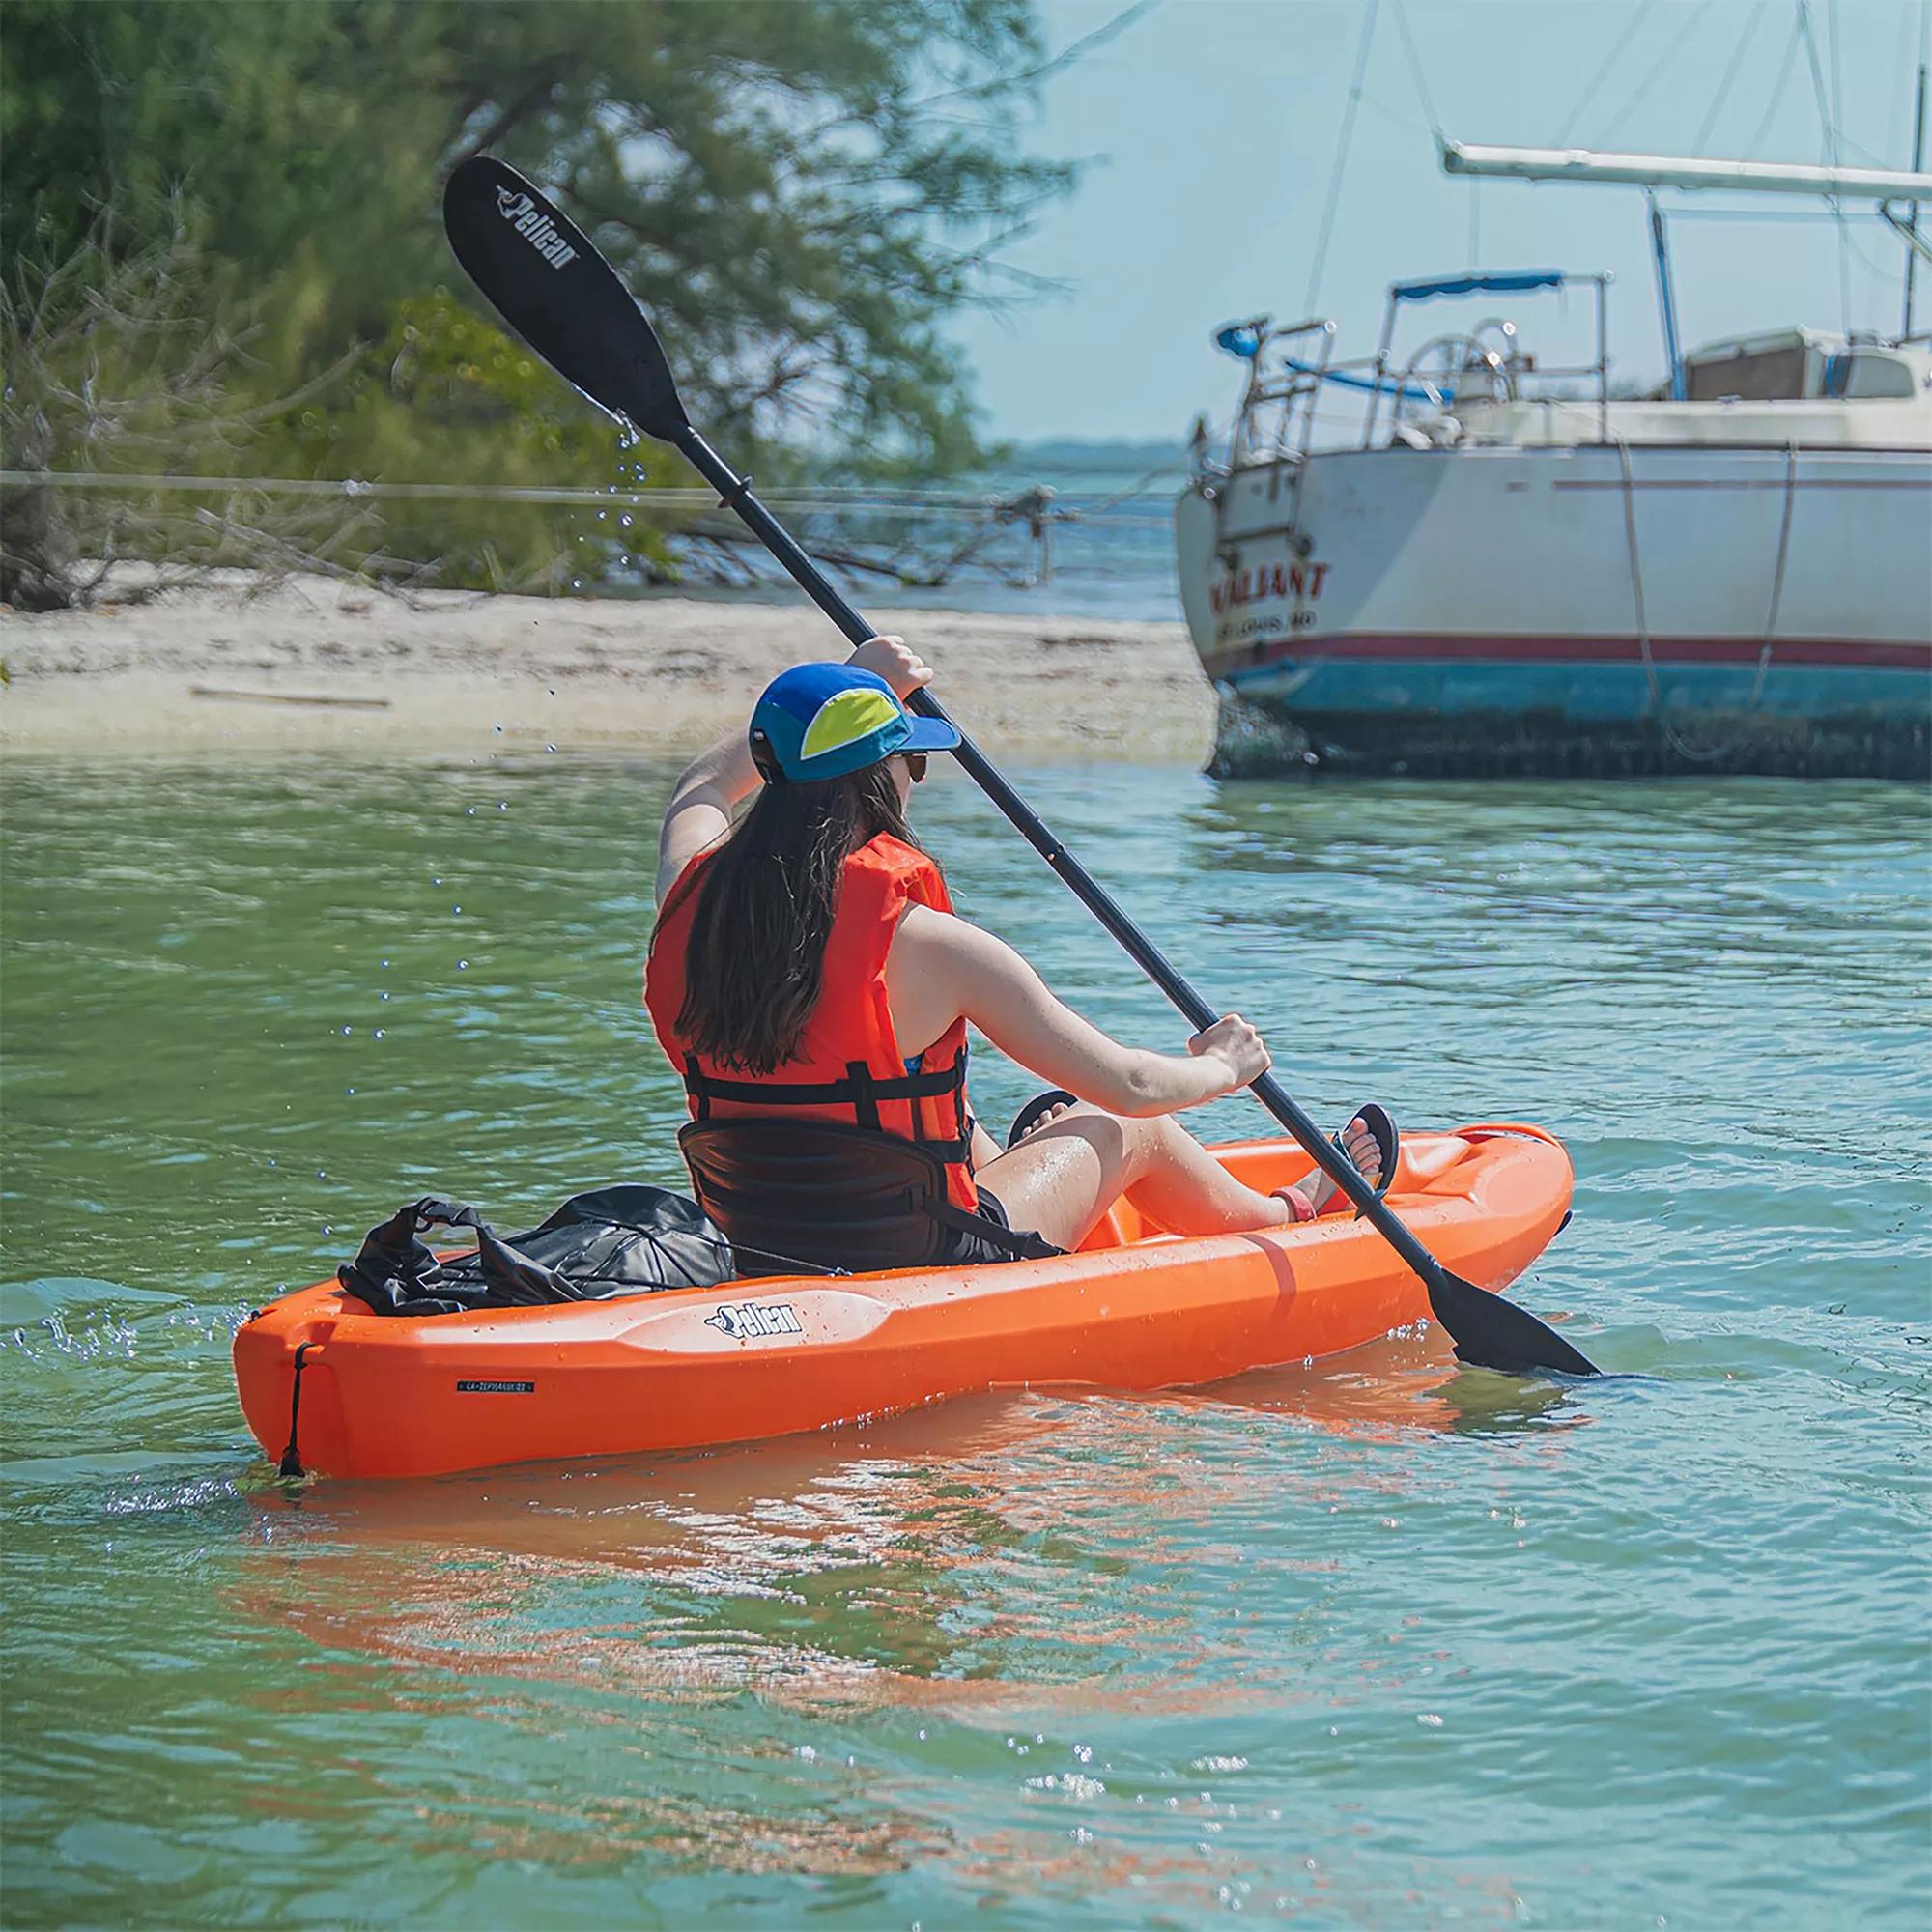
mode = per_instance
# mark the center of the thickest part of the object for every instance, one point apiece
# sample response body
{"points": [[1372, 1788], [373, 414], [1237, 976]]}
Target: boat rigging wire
{"points": [[1642, 91], [1418, 73], [1894, 144], [1603, 74], [1828, 131], [1340, 159], [1672, 737], [1742, 47], [1777, 87], [1778, 574]]}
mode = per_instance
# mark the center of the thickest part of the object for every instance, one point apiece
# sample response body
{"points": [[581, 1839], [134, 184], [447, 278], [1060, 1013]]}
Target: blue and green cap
{"points": [[821, 720]]}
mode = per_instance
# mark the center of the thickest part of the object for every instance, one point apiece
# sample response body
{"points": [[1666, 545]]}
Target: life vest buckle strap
{"points": [[865, 1096], [858, 1087]]}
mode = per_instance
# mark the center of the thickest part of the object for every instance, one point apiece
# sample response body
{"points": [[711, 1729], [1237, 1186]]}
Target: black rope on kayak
{"points": [[291, 1463]]}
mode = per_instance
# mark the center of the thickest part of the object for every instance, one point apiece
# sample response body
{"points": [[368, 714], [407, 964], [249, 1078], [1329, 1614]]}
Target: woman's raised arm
{"points": [[940, 968]]}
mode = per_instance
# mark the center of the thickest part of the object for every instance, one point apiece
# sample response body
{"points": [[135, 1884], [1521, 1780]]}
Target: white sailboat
{"points": [[1509, 569]]}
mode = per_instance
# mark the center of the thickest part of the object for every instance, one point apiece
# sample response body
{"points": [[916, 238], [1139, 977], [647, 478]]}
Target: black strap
{"points": [[865, 1096], [291, 1464], [1023, 1244], [862, 1089], [395, 1273], [860, 1086]]}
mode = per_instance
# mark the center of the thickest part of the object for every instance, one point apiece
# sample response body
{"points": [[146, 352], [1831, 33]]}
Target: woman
{"points": [[807, 968]]}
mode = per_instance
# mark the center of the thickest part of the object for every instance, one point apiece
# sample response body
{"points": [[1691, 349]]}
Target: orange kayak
{"points": [[1136, 1308]]}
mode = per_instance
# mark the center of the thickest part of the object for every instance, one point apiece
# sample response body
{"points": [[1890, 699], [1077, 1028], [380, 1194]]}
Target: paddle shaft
{"points": [[735, 493]]}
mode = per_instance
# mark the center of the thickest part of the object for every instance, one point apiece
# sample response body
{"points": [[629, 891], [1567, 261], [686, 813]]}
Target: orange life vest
{"points": [[849, 1067]]}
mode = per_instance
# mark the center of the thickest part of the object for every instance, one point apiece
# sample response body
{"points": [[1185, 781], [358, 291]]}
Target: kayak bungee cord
{"points": [[548, 282]]}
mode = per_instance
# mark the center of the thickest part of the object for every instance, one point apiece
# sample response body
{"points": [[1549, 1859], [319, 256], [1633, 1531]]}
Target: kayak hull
{"points": [[385, 1395]]}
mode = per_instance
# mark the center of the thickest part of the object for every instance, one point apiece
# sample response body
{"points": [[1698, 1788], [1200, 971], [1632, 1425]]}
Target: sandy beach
{"points": [[308, 663]]}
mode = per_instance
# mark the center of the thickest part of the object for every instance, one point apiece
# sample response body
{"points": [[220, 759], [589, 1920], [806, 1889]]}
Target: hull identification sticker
{"points": [[496, 1388]]}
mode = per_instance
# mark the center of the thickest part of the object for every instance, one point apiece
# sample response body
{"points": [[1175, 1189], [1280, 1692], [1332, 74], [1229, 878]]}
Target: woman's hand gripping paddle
{"points": [[552, 286]]}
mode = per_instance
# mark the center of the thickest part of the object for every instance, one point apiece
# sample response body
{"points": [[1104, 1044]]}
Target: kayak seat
{"points": [[830, 1198]]}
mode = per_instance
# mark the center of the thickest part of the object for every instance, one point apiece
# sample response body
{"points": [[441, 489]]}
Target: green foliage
{"points": [[446, 395], [801, 191]]}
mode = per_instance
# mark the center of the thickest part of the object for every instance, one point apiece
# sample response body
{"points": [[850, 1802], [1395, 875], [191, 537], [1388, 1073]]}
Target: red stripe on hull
{"points": [[1813, 653], [1777, 483]]}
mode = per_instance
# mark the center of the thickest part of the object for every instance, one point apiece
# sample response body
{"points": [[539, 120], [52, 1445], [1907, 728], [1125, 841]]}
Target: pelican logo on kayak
{"points": [[1266, 580], [535, 227], [744, 1320]]}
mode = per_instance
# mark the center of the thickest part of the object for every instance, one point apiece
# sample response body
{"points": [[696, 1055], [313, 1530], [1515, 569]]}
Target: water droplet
{"points": [[381, 996], [271, 1160], [463, 965], [497, 728], [327, 1229], [435, 882], [502, 804], [350, 1090], [379, 1030], [549, 747], [625, 521], [348, 1030], [321, 1173], [470, 812], [577, 583]]}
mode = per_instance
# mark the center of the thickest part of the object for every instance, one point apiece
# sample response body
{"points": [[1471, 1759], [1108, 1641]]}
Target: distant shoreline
{"points": [[309, 663]]}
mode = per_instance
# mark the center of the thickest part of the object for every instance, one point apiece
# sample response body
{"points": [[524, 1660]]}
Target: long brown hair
{"points": [[765, 905]]}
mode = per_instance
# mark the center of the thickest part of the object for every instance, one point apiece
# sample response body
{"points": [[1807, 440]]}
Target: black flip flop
{"points": [[1028, 1116], [1388, 1143]]}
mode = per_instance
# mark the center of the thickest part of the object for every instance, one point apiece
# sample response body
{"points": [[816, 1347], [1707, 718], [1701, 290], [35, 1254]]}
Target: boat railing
{"points": [[1502, 370], [1288, 375], [1278, 415]]}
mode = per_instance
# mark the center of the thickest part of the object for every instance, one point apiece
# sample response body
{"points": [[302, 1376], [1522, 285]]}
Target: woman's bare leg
{"points": [[1066, 1175]]}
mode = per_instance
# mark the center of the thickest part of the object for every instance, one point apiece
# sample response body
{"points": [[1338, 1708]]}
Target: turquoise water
{"points": [[1374, 1643]]}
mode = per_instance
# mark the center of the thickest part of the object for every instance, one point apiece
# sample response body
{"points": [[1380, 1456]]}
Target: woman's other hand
{"points": [[1233, 1042], [888, 658]]}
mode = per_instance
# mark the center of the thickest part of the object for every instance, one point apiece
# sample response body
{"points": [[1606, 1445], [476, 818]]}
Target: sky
{"points": [[1211, 130]]}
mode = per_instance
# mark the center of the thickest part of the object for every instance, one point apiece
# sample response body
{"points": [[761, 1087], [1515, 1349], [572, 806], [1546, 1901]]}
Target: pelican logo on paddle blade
{"points": [[536, 227], [581, 320]]}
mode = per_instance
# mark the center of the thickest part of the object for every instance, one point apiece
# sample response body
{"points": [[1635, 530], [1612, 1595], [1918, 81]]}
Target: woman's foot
{"points": [[1361, 1141], [1041, 1110]]}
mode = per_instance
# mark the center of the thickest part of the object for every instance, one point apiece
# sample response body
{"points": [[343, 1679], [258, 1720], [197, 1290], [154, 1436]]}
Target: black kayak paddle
{"points": [[547, 280]]}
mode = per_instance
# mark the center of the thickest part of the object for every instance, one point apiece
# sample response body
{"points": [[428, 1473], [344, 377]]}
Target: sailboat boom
{"points": [[1653, 171]]}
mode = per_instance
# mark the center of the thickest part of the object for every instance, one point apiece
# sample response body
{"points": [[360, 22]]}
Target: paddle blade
{"points": [[1491, 1334], [544, 277]]}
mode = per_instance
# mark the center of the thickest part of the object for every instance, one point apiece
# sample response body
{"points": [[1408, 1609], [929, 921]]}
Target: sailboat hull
{"points": [[1569, 609]]}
